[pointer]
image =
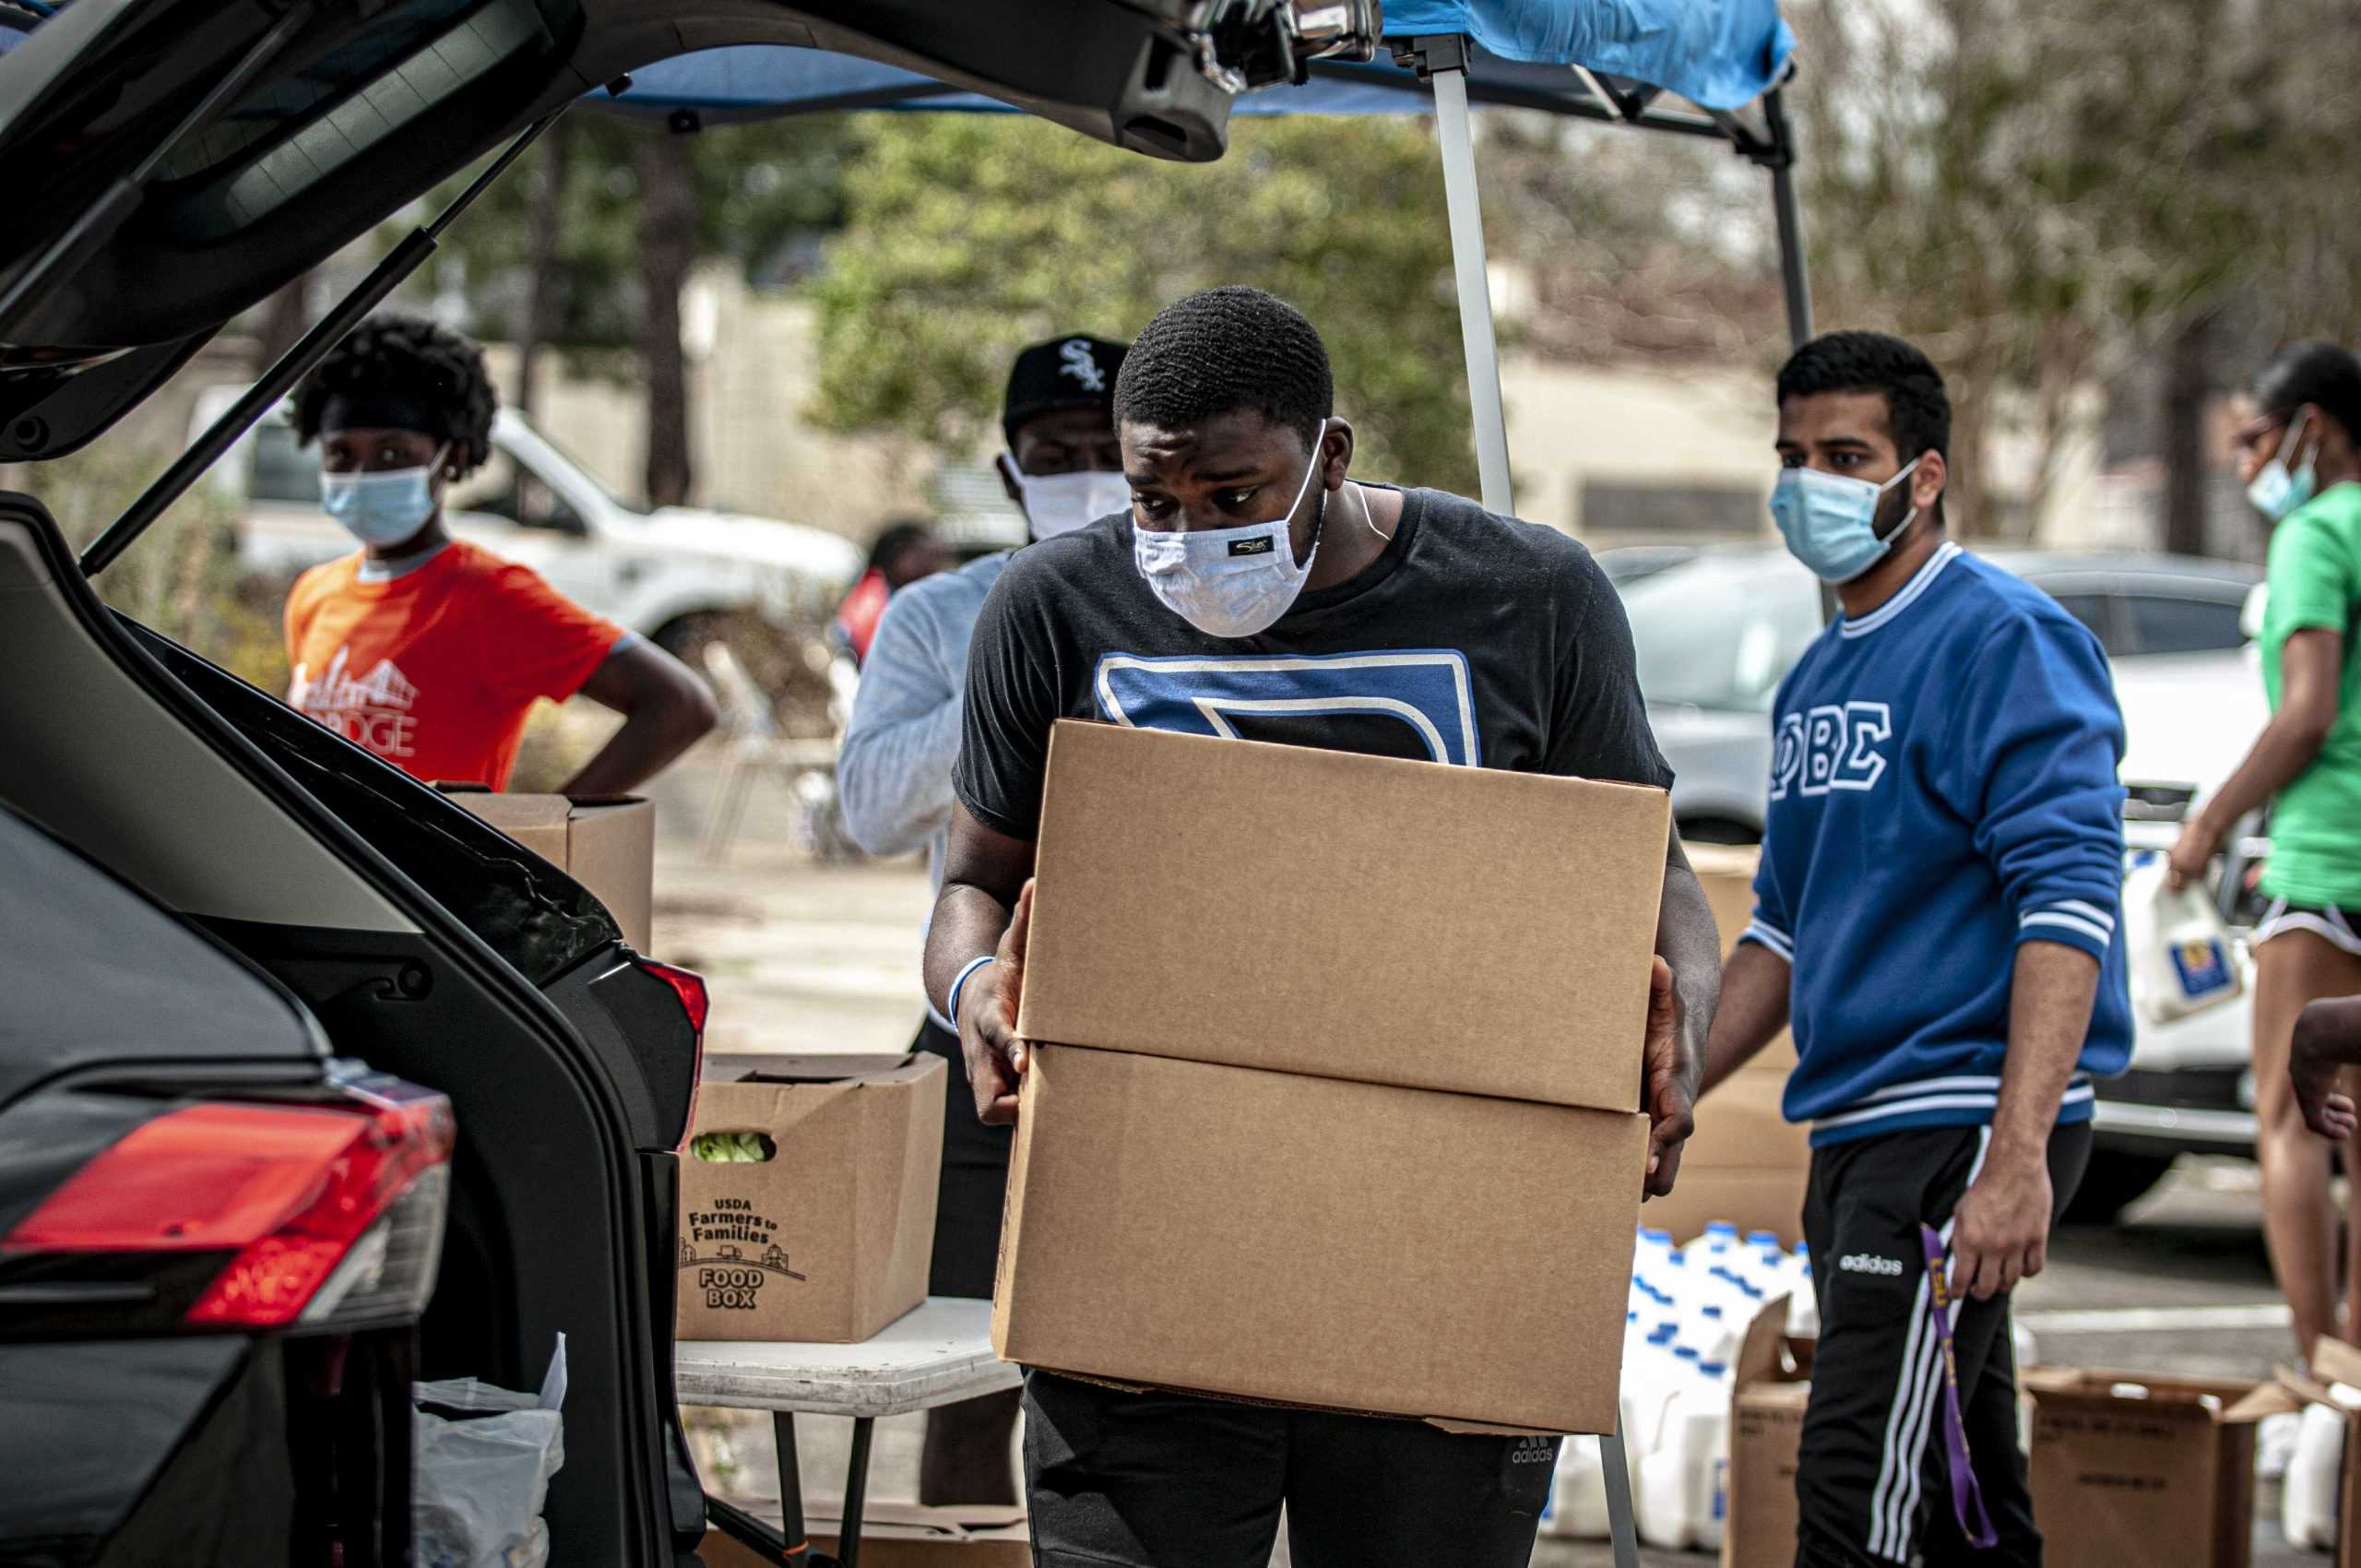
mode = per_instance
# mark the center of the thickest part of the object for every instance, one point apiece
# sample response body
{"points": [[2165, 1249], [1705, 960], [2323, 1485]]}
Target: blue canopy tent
{"points": [[1708, 68]]}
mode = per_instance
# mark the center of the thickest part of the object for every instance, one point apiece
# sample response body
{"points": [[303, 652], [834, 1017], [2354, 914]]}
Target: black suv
{"points": [[312, 1085]]}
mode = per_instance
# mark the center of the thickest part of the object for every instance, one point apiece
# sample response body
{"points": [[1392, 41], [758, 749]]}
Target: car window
{"points": [[2177, 623], [283, 470], [2095, 610], [1722, 631]]}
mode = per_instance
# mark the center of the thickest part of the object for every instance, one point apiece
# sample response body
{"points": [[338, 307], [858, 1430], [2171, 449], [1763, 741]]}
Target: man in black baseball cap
{"points": [[1065, 469], [1063, 465]]}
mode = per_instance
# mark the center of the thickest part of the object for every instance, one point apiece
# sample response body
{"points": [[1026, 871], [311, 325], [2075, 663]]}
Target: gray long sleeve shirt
{"points": [[894, 769]]}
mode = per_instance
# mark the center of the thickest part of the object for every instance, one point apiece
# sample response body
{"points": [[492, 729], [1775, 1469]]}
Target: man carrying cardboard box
{"points": [[1222, 604], [1936, 910]]}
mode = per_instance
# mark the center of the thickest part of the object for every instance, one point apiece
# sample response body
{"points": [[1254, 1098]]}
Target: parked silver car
{"points": [[1715, 632]]}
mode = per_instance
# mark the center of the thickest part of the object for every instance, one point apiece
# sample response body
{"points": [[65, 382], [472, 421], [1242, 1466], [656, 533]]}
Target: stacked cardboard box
{"points": [[1746, 1163], [819, 1224], [2138, 1467], [1768, 1391], [608, 845], [903, 1534], [1337, 1103]]}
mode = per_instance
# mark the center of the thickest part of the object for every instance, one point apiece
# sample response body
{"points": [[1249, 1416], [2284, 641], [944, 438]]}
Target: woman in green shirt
{"points": [[2296, 452]]}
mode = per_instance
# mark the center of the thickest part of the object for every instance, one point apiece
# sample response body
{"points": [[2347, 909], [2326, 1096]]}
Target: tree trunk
{"points": [[2188, 377], [285, 318], [541, 322], [667, 237]]}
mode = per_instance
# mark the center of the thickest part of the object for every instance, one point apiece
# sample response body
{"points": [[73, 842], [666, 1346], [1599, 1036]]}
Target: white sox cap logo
{"points": [[1075, 352]]}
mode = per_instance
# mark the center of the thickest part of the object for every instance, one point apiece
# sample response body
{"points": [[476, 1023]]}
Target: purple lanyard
{"points": [[1967, 1503]]}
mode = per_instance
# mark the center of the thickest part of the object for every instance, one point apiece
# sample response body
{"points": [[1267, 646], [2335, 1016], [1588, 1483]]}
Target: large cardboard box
{"points": [[607, 846], [1442, 928], [2138, 1467], [904, 1535], [1341, 1119], [829, 1239], [1767, 1399], [2333, 1363], [1283, 1238]]}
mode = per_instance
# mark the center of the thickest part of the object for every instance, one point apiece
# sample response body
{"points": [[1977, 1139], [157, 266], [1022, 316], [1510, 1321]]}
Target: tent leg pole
{"points": [[1475, 292], [1789, 212]]}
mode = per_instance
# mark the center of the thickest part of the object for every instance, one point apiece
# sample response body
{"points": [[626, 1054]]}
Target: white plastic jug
{"points": [[1682, 1497], [2307, 1502], [1649, 1378], [1578, 1494], [1717, 1244], [2182, 961]]}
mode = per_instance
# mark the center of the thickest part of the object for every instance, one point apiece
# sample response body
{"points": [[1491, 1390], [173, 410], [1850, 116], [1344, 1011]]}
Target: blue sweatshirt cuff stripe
{"points": [[2068, 930], [1771, 937]]}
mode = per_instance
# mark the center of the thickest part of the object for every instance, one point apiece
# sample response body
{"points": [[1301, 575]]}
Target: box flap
{"points": [[2333, 1360], [770, 1068], [513, 813], [915, 1521], [1762, 1355], [1512, 925]]}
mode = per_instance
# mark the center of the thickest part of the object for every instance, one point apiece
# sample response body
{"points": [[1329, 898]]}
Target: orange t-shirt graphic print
{"points": [[436, 670]]}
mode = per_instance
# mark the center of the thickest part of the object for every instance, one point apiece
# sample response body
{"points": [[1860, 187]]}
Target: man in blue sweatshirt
{"points": [[1064, 469], [1935, 914]]}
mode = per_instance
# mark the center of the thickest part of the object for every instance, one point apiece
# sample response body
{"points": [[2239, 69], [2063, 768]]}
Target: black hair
{"points": [[897, 537], [1224, 350], [414, 361], [1917, 409], [2316, 373]]}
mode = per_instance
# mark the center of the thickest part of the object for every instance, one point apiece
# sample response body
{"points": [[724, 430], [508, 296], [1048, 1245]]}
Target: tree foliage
{"points": [[969, 236], [754, 188]]}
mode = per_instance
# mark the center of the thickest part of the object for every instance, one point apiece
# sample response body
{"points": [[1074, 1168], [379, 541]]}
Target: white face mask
{"points": [[1228, 582], [1056, 503]]}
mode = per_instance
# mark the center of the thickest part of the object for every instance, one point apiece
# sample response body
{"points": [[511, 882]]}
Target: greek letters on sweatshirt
{"points": [[1944, 789]]}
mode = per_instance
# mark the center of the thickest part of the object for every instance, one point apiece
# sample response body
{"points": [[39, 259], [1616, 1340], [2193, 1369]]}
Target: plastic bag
{"points": [[482, 1473], [2181, 958], [732, 1148]]}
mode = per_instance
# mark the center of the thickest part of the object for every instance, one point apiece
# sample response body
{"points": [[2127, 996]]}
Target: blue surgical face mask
{"points": [[2275, 492], [1830, 520], [383, 509]]}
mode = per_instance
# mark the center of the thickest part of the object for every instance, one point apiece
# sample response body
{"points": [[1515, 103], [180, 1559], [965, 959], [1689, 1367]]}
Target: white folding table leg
{"points": [[1620, 1528]]}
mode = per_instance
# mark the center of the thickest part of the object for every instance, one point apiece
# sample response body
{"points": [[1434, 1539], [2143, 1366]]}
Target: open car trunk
{"points": [[183, 157], [560, 1206]]}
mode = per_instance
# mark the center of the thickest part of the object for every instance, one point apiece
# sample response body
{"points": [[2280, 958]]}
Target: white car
{"points": [[656, 571], [1716, 632]]}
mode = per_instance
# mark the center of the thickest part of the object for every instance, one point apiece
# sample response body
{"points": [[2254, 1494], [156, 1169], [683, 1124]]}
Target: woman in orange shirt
{"points": [[429, 650]]}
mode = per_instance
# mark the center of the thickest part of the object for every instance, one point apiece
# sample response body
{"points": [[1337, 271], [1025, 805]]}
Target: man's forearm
{"points": [[968, 925], [1686, 939], [652, 736], [2049, 1014], [1754, 1002]]}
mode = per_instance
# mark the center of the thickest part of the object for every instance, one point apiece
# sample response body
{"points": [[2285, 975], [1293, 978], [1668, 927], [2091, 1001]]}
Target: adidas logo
{"points": [[1534, 1451], [1869, 1263]]}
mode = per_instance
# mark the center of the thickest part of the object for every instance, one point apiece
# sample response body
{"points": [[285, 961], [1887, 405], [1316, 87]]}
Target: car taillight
{"points": [[332, 1212], [690, 988]]}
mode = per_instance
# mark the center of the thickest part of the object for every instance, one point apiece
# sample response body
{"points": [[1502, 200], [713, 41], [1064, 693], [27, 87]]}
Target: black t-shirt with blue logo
{"points": [[1473, 639]]}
